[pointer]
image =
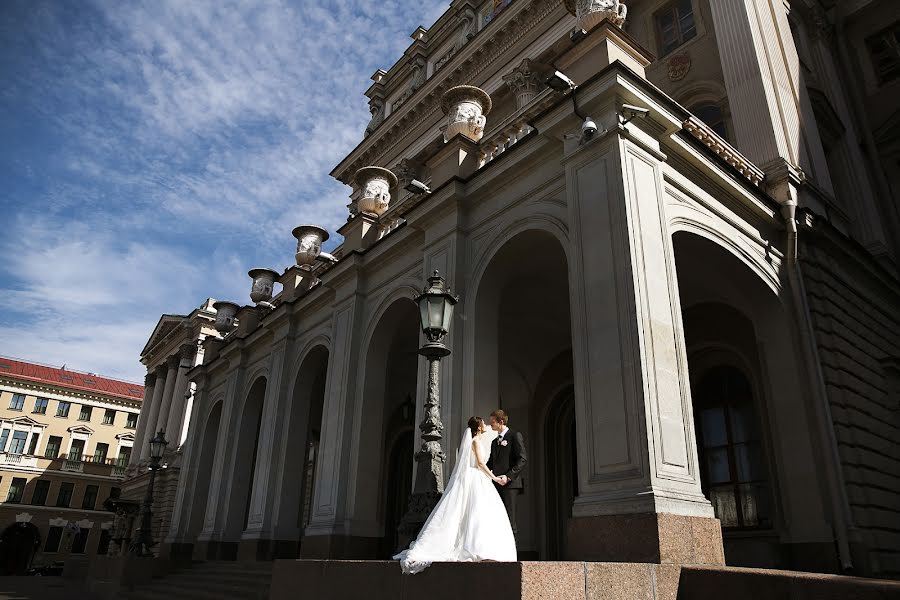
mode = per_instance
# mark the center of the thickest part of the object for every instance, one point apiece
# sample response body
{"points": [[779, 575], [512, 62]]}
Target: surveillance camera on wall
{"points": [[630, 111], [559, 82], [417, 187], [588, 129]]}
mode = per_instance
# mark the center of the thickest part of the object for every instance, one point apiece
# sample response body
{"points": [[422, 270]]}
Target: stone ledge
{"points": [[377, 580]]}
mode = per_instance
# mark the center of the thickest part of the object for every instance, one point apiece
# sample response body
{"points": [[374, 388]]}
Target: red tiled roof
{"points": [[73, 380]]}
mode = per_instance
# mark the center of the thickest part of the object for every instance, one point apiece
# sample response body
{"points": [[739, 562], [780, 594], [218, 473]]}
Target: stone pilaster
{"points": [[143, 451], [143, 417], [179, 399], [172, 363]]}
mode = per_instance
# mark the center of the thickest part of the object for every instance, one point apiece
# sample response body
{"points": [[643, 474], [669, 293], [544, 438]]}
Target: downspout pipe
{"points": [[840, 506]]}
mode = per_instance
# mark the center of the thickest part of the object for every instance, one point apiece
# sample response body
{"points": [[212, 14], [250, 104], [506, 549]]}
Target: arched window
{"points": [[712, 115], [732, 463]]}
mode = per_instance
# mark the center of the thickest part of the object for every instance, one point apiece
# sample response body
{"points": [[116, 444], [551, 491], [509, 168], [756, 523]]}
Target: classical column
{"points": [[525, 82], [172, 422], [171, 378], [143, 416], [770, 108], [155, 404]]}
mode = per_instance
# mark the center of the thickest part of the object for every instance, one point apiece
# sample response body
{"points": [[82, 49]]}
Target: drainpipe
{"points": [[840, 506]]}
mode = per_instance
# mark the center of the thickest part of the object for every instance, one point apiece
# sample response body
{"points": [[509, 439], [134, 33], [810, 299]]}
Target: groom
{"points": [[506, 462]]}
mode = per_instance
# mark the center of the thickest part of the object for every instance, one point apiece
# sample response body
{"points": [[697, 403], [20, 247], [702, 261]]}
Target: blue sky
{"points": [[152, 152]]}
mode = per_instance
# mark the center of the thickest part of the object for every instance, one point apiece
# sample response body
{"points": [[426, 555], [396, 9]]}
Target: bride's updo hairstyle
{"points": [[475, 424]]}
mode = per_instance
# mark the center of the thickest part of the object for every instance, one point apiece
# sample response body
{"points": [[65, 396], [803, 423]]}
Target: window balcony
{"points": [[19, 460]]}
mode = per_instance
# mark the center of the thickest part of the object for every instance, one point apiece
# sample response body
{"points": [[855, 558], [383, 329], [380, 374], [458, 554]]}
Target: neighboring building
{"points": [[691, 309], [66, 438]]}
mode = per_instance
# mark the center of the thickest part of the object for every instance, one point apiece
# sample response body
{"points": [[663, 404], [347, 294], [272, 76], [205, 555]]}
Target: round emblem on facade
{"points": [[679, 65]]}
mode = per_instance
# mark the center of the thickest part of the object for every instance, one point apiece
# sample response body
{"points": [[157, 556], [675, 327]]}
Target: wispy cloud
{"points": [[155, 151]]}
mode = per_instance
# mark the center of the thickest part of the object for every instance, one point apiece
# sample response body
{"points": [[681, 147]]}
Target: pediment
{"points": [[80, 429], [127, 437], [25, 420], [165, 326]]}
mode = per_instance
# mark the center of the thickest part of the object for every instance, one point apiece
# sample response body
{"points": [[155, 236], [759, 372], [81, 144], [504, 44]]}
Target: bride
{"points": [[469, 522]]}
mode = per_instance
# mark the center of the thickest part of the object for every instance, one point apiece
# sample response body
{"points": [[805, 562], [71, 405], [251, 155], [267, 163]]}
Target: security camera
{"points": [[559, 82], [326, 258], [629, 112], [588, 129], [417, 187]]}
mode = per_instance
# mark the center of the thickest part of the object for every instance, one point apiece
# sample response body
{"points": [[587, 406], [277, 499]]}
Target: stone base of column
{"points": [[215, 550], [647, 538], [339, 547], [261, 549]]}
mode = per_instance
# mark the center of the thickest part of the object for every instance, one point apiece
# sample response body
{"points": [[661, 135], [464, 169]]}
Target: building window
{"points": [[62, 409], [53, 445], [53, 538], [124, 457], [884, 49], [80, 541], [674, 25], [131, 421], [64, 498], [85, 414], [103, 545], [17, 445], [109, 417], [41, 491], [17, 402], [32, 445], [732, 464], [77, 450], [40, 406], [90, 497], [712, 115], [16, 490], [4, 436], [100, 453]]}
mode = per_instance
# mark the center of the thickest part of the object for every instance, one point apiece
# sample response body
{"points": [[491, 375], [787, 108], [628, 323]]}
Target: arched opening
{"points": [[521, 362], [384, 473], [18, 543], [561, 469], [246, 446], [204, 467], [304, 427], [755, 435]]}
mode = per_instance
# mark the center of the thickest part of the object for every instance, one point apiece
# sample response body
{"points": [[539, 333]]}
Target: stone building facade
{"points": [[676, 266], [65, 441]]}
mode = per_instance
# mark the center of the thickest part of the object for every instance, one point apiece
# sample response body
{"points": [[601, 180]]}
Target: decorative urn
{"points": [[225, 312], [263, 284], [309, 244], [466, 108], [376, 184], [591, 13]]}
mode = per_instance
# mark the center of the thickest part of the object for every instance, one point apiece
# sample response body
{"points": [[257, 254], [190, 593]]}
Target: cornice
{"points": [[477, 56], [59, 390]]}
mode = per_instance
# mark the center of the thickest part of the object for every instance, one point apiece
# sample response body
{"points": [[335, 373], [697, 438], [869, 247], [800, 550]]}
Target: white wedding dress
{"points": [[469, 522]]}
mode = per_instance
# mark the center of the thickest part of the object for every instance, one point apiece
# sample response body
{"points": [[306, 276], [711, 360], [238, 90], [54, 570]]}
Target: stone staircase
{"points": [[208, 580]]}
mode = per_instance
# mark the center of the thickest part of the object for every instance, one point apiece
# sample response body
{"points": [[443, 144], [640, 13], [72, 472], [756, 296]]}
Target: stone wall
{"points": [[855, 311]]}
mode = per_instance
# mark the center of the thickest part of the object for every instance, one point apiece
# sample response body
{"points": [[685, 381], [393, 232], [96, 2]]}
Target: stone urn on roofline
{"points": [[376, 184], [466, 107], [591, 13]]}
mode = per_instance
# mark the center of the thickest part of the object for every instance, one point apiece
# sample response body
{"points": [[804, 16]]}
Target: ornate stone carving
{"points": [[376, 108], [225, 313], [309, 244], [149, 379], [525, 82], [724, 150], [466, 107], [407, 170], [591, 12], [263, 284], [376, 184], [678, 66]]}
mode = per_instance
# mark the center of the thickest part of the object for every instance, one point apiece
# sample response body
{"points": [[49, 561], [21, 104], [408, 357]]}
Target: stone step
{"points": [[210, 580]]}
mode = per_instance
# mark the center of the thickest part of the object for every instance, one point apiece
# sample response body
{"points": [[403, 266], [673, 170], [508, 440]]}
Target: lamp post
{"points": [[144, 541], [436, 311]]}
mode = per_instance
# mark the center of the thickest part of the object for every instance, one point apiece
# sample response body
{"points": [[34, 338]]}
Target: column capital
{"points": [[160, 370], [525, 82], [149, 379], [186, 351], [172, 361]]}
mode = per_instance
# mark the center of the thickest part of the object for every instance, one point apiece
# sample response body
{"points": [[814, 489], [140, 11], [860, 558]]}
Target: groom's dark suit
{"points": [[508, 458]]}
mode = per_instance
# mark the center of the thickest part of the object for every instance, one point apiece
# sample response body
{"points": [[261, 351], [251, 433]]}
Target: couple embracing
{"points": [[475, 519]]}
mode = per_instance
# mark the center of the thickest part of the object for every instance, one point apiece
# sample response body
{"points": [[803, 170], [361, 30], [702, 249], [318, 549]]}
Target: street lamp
{"points": [[142, 544], [436, 312]]}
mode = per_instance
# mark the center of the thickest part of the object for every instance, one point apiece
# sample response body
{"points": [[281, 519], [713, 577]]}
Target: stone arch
{"points": [[518, 326], [246, 442], [389, 368], [732, 315], [202, 468]]}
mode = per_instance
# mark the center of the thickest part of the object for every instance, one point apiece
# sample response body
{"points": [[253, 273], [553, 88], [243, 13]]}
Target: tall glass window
{"points": [[64, 498], [732, 463], [17, 402], [131, 421], [85, 414], [62, 409], [16, 490], [674, 25], [40, 406], [41, 490], [4, 437], [53, 444], [109, 417], [17, 445], [53, 538]]}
